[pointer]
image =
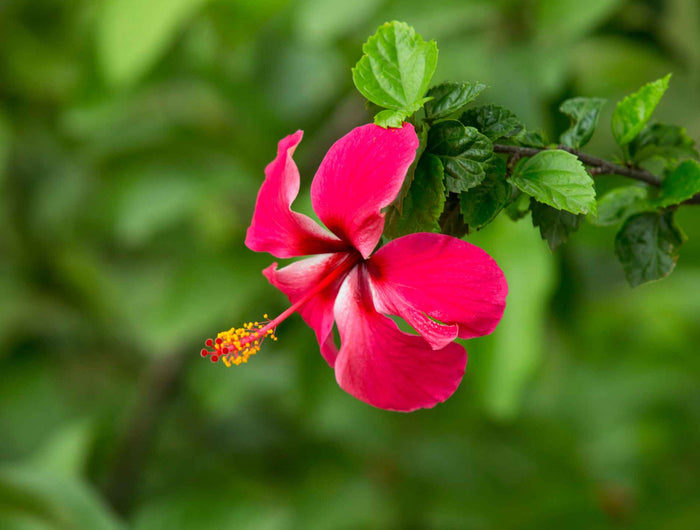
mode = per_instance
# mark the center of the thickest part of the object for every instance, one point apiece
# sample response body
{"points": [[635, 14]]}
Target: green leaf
{"points": [[619, 204], [556, 178], [451, 222], [391, 118], [492, 120], [584, 119], [480, 205], [647, 245], [396, 68], [424, 202], [681, 184], [463, 152], [449, 97], [530, 139], [132, 34], [633, 112], [555, 225], [519, 204], [668, 142]]}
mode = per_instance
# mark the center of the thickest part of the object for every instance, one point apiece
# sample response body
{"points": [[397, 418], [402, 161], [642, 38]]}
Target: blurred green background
{"points": [[133, 137]]}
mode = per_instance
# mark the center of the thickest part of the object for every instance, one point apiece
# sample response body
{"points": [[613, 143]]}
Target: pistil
{"points": [[236, 345]]}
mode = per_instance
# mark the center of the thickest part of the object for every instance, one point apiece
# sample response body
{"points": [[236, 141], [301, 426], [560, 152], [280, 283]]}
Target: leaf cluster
{"points": [[478, 160]]}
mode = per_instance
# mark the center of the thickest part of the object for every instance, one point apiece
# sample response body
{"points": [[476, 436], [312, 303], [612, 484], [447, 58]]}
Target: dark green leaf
{"points": [[530, 139], [519, 204], [584, 119], [396, 68], [480, 205], [681, 184], [555, 225], [463, 152], [633, 112], [647, 245], [619, 204], [422, 133], [451, 222], [492, 120], [668, 142], [448, 98], [424, 203], [556, 178]]}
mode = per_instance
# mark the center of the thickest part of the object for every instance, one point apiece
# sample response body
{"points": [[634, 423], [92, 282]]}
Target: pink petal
{"points": [[446, 278], [298, 279], [384, 366], [275, 227], [361, 174]]}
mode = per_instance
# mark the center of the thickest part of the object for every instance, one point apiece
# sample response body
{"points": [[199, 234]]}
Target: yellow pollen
{"points": [[236, 345]]}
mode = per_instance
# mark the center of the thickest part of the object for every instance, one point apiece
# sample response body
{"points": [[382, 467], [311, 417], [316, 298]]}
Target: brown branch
{"points": [[598, 165]]}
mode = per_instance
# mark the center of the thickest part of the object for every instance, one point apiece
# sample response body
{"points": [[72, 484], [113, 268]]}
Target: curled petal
{"points": [[383, 366], [446, 278], [301, 277], [361, 174], [275, 227]]}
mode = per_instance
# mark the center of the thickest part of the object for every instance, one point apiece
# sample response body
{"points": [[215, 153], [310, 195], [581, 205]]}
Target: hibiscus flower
{"points": [[443, 287]]}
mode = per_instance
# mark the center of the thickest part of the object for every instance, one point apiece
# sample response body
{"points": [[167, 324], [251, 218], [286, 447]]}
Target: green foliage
{"points": [[527, 138], [632, 113], [519, 205], [647, 245], [391, 118], [451, 222], [463, 151], [619, 204], [670, 143], [31, 498], [555, 225], [481, 204], [492, 120], [132, 34], [556, 178], [584, 119], [423, 204], [395, 71], [449, 97], [680, 184]]}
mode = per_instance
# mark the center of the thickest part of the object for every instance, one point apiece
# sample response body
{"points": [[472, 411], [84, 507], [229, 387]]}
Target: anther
{"points": [[236, 345]]}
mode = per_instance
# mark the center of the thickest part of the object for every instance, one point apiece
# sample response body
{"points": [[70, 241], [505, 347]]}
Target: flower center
{"points": [[236, 345]]}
